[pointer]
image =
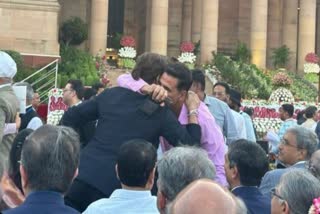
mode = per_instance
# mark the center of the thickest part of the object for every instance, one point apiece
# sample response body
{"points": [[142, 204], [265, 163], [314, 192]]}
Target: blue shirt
{"points": [[249, 127], [224, 118], [124, 201]]}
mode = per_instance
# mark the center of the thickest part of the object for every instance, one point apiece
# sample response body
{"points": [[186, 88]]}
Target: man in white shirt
{"points": [[30, 119], [135, 169]]}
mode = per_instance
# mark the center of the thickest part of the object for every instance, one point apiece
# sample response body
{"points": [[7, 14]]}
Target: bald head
{"points": [[204, 196]]}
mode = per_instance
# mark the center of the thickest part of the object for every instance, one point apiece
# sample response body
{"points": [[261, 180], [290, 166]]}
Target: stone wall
{"points": [[29, 26]]}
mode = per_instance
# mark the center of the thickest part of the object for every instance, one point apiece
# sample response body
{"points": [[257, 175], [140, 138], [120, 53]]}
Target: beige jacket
{"points": [[9, 106]]}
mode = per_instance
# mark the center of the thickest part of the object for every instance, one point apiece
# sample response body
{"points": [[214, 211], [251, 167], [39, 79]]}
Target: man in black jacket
{"points": [[123, 115]]}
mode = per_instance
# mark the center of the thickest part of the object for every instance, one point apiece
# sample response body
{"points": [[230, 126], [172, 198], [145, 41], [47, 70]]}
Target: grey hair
{"points": [[180, 166], [50, 157], [306, 139], [30, 91], [298, 188]]}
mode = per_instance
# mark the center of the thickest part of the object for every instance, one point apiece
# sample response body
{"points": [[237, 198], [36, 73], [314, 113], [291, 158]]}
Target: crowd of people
{"points": [[157, 143]]}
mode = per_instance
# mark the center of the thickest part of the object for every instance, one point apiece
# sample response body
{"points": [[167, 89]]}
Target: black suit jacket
{"points": [[255, 202], [122, 115], [43, 202]]}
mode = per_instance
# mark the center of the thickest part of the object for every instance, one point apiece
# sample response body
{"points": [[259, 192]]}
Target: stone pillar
{"points": [[209, 29], [196, 20], [274, 38], [289, 30], [174, 27], [307, 31], [159, 26], [148, 24], [98, 26], [318, 29], [258, 43], [186, 20]]}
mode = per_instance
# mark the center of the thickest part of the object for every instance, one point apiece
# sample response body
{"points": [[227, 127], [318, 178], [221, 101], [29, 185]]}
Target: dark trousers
{"points": [[81, 195]]}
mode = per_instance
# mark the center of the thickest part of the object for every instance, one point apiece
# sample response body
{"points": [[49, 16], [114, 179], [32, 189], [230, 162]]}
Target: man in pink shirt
{"points": [[177, 80]]}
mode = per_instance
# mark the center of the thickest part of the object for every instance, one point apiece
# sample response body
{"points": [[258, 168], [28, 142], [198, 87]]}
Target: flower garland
{"points": [[311, 65], [127, 53], [56, 107], [187, 56]]}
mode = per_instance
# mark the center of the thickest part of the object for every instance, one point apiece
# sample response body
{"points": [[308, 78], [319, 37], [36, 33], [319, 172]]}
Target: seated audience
{"points": [[179, 167], [135, 169], [49, 163], [295, 193], [296, 147], [205, 196], [245, 165], [11, 181]]}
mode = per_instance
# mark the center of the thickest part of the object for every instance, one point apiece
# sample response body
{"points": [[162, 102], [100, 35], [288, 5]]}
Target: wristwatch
{"points": [[193, 112]]}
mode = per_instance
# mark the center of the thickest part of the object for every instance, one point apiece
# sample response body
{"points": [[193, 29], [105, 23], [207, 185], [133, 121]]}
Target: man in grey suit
{"points": [[296, 147], [9, 104]]}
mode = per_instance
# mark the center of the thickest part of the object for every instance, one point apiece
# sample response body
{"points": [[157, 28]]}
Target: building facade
{"points": [[31, 26]]}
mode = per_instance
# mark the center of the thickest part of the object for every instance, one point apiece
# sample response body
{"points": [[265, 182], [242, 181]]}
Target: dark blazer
{"points": [[42, 202], [272, 178], [122, 115], [255, 202]]}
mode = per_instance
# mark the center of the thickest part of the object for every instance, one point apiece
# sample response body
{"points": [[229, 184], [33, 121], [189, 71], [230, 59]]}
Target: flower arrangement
{"points": [[311, 65], [281, 79], [315, 207], [281, 95], [56, 107], [187, 56], [101, 66], [127, 53]]}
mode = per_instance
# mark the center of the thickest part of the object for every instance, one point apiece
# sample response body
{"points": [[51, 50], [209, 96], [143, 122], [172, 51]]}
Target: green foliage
{"points": [[196, 50], [247, 78], [242, 53], [115, 41], [280, 56], [311, 77], [77, 64], [73, 31]]}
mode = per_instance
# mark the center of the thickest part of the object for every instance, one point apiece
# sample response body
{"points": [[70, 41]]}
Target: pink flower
{"points": [[186, 47], [312, 58], [128, 41]]}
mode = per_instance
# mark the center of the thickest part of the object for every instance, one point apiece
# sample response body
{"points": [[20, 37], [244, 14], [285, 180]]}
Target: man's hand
{"points": [[157, 92], [18, 121], [192, 102]]}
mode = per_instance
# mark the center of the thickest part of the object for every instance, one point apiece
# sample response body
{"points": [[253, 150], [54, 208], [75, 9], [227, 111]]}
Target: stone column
{"points": [[289, 30], [98, 26], [148, 24], [174, 27], [186, 20], [196, 20], [318, 29], [307, 31], [159, 26], [209, 29], [258, 43]]}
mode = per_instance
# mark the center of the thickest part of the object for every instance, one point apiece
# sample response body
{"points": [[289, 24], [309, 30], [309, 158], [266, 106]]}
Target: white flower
{"points": [[54, 117], [311, 68], [187, 57], [282, 95], [127, 52]]}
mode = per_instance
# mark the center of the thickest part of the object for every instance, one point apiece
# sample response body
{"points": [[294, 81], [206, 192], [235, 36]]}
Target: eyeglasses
{"points": [[287, 143], [273, 193], [65, 90], [218, 93]]}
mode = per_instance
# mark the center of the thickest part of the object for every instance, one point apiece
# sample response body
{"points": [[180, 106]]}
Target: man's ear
{"points": [[285, 207], [151, 177], [161, 201], [116, 168], [76, 173], [235, 172], [24, 178]]}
